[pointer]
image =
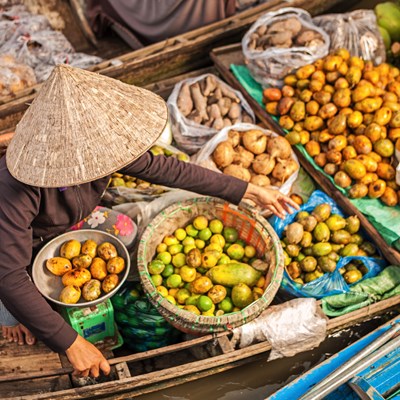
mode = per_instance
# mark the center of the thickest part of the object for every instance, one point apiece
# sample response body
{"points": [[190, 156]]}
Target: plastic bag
{"points": [[203, 157], [356, 31], [332, 282], [386, 284], [270, 66], [14, 76], [191, 136], [140, 324], [292, 327]]}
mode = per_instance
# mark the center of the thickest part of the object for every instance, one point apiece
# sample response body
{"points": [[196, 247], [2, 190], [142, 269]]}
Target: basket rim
{"points": [[229, 320]]}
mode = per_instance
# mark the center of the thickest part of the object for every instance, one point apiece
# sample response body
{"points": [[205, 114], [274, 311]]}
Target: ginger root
{"points": [[184, 101]]}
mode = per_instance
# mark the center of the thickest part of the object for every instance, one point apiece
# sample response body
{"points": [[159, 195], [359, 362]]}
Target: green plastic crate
{"points": [[95, 324]]}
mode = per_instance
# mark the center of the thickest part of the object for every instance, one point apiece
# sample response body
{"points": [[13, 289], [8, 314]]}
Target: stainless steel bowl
{"points": [[50, 285]]}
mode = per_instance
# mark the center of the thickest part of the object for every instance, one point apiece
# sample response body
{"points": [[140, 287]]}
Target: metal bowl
{"points": [[50, 285]]}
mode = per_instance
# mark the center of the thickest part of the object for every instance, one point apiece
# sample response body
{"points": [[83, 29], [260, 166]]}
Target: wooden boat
{"points": [[168, 58], [378, 380], [223, 57]]}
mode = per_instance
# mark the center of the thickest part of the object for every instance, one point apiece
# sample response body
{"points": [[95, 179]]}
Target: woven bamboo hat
{"points": [[83, 126]]}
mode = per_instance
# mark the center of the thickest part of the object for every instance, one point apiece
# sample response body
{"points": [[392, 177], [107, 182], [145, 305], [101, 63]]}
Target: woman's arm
{"points": [[169, 171]]}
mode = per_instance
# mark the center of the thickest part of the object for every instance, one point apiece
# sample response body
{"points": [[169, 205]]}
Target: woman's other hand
{"points": [[270, 199]]}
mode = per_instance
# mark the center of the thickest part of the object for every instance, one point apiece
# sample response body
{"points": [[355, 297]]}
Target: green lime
{"points": [[173, 281], [205, 234], [204, 303], [191, 231], [192, 300], [216, 226], [230, 234], [168, 270], [224, 259], [156, 267], [165, 257], [226, 305]]}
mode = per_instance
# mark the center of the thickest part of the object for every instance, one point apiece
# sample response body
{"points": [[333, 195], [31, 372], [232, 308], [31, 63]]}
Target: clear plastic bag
{"points": [[270, 66], [14, 77], [332, 282], [203, 157], [189, 135], [292, 327], [356, 31]]}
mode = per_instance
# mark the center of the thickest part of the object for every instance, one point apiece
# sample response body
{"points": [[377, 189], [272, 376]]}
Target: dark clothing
{"points": [[155, 20], [31, 215]]}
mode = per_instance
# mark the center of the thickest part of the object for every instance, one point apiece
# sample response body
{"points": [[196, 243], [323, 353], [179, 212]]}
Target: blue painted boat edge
{"points": [[300, 386]]}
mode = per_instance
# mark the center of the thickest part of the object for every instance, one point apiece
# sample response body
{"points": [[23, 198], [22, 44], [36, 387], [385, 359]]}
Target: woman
{"points": [[80, 129]]}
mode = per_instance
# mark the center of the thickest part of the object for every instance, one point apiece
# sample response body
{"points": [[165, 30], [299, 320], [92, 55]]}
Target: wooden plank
{"points": [[225, 56]]}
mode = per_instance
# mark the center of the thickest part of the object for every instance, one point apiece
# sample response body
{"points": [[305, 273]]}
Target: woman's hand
{"points": [[86, 359], [271, 199]]}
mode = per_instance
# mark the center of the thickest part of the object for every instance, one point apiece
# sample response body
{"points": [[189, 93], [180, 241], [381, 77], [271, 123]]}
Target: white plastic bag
{"points": [[270, 66], [191, 136], [203, 157], [356, 31], [292, 327]]}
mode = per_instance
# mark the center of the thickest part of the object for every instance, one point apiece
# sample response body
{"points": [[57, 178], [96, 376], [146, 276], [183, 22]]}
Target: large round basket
{"points": [[253, 229]]}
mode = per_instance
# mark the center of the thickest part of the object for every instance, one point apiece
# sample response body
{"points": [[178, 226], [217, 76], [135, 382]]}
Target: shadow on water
{"points": [[259, 379]]}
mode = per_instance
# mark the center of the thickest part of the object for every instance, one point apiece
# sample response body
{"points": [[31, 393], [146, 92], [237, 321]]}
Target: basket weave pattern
{"points": [[254, 230]]}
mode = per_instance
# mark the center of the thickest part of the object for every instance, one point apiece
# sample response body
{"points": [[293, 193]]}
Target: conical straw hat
{"points": [[83, 126]]}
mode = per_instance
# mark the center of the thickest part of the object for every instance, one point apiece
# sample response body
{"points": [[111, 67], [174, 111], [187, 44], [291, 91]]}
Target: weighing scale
{"points": [[95, 324]]}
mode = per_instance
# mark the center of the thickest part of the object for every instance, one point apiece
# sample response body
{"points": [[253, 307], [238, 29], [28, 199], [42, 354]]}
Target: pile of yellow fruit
{"points": [[118, 179], [87, 270], [206, 269], [346, 112], [316, 241]]}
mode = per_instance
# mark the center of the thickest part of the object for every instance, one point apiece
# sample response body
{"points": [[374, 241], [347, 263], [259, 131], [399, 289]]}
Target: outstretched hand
{"points": [[86, 359], [271, 199]]}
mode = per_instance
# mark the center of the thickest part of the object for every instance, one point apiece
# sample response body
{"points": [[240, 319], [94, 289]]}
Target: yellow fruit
{"points": [[187, 273], [242, 295], [162, 290], [179, 260], [58, 265], [157, 280], [250, 251], [201, 285], [162, 247], [70, 249], [200, 222], [200, 244], [218, 239], [89, 248], [192, 309], [170, 240], [217, 293], [261, 282], [171, 299], [191, 230], [235, 251], [70, 294], [174, 249], [174, 280], [115, 265], [216, 226], [180, 234], [156, 267], [210, 258]]}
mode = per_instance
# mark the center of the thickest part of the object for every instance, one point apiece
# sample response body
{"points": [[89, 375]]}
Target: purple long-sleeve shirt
{"points": [[31, 215]]}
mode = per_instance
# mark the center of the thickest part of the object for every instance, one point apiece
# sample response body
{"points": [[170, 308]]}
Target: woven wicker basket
{"points": [[252, 229]]}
